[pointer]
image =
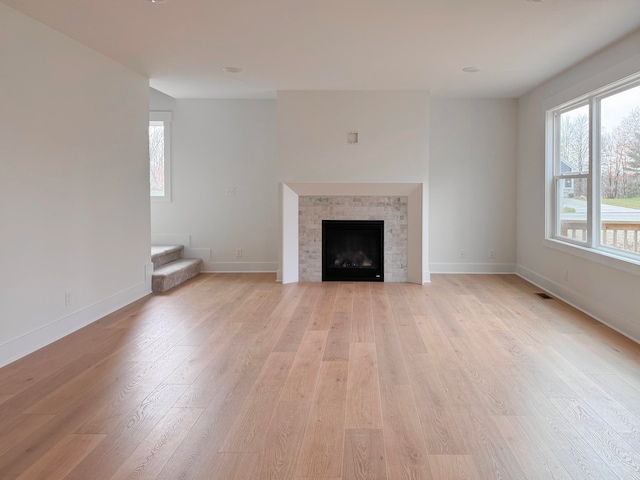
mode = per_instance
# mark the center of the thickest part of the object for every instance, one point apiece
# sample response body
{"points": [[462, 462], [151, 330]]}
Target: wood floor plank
{"points": [[193, 455], [404, 320], [576, 455], [496, 396], [228, 465], [301, 382], [620, 457], [193, 366], [63, 458], [295, 329], [322, 447], [247, 434], [278, 458], [364, 457], [292, 294], [323, 311], [530, 449], [339, 339], [152, 454], [237, 376], [619, 389], [362, 319], [363, 389], [144, 381], [391, 367], [619, 417], [78, 412], [23, 426], [98, 374], [125, 436], [36, 398], [406, 454], [440, 431], [459, 467], [344, 298], [492, 455]]}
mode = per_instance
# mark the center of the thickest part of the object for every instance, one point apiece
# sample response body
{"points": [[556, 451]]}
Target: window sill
{"points": [[604, 258]]}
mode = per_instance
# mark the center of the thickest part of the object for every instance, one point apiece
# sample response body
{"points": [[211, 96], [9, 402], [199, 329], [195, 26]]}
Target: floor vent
{"points": [[544, 295]]}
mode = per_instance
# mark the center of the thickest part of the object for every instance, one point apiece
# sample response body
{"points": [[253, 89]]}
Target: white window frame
{"points": [[164, 118], [591, 248]]}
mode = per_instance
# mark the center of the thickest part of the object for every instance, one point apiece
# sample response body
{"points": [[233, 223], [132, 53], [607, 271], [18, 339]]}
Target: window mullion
{"points": [[591, 182]]}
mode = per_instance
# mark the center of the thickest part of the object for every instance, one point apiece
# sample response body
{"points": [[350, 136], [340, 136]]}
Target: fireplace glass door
{"points": [[353, 250]]}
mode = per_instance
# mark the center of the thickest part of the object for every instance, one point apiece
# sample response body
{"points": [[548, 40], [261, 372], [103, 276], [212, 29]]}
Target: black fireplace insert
{"points": [[353, 250]]}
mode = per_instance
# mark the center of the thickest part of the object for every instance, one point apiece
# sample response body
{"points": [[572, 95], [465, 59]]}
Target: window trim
{"points": [[164, 117], [591, 249]]}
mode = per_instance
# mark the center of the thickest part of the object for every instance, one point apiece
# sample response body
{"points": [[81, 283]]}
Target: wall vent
{"points": [[545, 296]]}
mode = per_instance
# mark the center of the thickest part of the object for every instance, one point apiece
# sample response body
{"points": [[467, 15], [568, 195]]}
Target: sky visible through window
{"points": [[616, 107]]}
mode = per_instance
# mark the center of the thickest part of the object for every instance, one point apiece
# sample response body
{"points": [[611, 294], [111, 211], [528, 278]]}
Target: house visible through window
{"points": [[594, 165], [160, 155]]}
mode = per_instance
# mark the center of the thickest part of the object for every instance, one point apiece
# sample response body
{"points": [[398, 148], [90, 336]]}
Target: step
{"points": [[174, 273], [163, 254]]}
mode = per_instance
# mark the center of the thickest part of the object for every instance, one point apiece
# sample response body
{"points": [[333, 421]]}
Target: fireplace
{"points": [[353, 250]]}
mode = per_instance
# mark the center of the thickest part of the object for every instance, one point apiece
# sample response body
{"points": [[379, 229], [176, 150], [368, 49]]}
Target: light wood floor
{"points": [[238, 377]]}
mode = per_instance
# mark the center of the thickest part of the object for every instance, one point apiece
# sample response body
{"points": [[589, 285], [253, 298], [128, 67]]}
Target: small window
{"points": [[160, 155], [594, 160]]}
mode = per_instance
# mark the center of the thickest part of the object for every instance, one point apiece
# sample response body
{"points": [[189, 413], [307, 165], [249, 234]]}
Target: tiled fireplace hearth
{"points": [[400, 205]]}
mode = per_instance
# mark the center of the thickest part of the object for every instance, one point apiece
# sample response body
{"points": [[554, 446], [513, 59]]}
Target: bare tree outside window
{"points": [[156, 159], [597, 190]]}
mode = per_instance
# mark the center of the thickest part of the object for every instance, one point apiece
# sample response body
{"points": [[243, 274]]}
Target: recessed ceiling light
{"points": [[471, 69], [157, 1], [232, 69]]}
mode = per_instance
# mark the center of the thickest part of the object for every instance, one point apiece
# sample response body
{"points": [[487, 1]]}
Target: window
{"points": [[593, 165], [160, 155]]}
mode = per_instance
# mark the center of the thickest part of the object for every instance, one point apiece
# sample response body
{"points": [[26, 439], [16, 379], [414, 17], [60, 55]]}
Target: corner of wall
{"points": [[591, 306], [32, 341]]}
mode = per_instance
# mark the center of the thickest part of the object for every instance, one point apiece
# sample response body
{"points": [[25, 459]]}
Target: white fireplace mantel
{"points": [[417, 262]]}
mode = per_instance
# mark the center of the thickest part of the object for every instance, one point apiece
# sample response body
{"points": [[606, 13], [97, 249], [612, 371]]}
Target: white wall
{"points": [[602, 287], [393, 148], [472, 186], [74, 208], [393, 132], [219, 145]]}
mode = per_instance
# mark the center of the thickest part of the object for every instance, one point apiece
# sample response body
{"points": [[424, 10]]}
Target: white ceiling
{"points": [[182, 45]]}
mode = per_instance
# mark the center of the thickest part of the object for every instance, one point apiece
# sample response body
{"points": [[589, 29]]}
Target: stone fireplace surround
{"points": [[294, 269], [391, 210]]}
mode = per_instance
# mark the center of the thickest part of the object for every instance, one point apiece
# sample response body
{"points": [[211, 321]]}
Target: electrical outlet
{"points": [[231, 192], [67, 299], [461, 254], [238, 252], [566, 275], [492, 253]]}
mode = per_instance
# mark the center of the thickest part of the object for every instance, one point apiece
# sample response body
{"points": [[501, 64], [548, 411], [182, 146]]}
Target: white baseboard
{"points": [[606, 314], [473, 268], [32, 341], [240, 267]]}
